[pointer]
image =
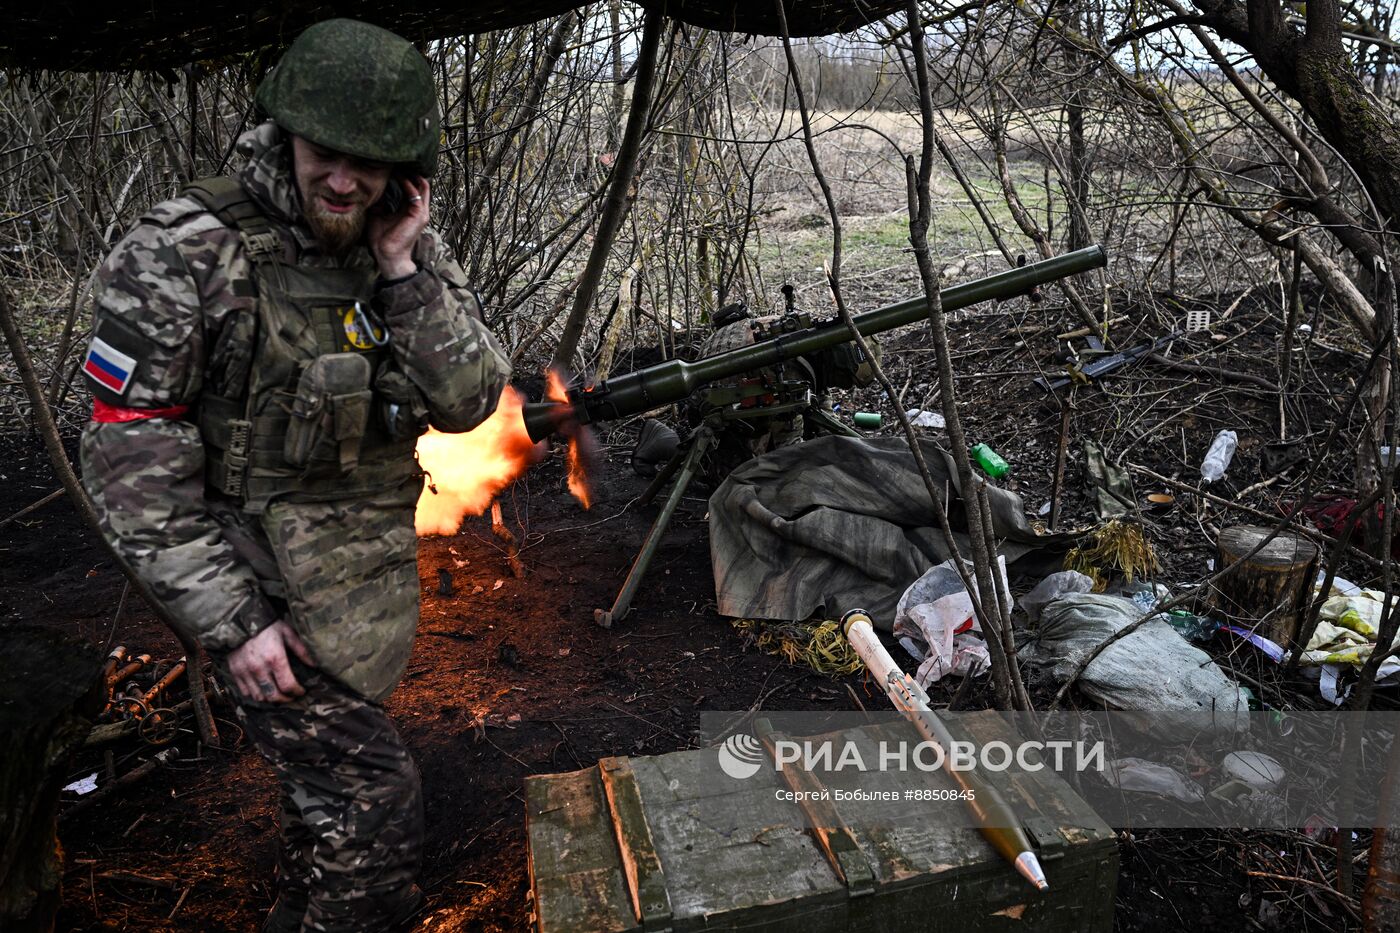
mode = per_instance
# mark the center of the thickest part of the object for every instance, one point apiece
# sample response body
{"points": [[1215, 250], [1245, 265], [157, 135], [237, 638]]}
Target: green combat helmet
{"points": [[357, 89]]}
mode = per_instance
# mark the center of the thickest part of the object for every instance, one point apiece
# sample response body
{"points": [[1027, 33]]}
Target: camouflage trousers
{"points": [[352, 810]]}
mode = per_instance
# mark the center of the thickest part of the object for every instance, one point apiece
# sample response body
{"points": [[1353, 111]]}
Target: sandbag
{"points": [[1151, 669]]}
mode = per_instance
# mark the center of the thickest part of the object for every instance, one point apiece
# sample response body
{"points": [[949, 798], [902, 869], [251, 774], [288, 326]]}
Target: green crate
{"points": [[671, 843]]}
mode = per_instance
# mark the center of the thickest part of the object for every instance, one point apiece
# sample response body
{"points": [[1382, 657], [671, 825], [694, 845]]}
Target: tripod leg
{"points": [[704, 439]]}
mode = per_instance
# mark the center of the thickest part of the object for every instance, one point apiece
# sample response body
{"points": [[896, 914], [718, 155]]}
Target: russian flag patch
{"points": [[108, 366]]}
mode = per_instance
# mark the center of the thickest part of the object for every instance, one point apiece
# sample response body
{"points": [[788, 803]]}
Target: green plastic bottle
{"points": [[990, 461]]}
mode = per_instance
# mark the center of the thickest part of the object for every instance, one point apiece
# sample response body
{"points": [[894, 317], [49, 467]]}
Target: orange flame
{"points": [[470, 469], [580, 440]]}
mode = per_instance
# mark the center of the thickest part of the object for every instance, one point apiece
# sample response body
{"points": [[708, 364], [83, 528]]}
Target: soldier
{"points": [[266, 352]]}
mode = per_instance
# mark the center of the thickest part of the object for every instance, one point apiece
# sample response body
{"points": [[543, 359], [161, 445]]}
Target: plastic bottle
{"points": [[990, 461], [1195, 629], [1145, 599], [1217, 461]]}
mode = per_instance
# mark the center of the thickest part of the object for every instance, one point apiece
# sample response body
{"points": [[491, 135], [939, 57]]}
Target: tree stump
{"points": [[49, 691], [1270, 593]]}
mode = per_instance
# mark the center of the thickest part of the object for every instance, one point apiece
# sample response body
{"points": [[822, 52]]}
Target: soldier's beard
{"points": [[336, 233]]}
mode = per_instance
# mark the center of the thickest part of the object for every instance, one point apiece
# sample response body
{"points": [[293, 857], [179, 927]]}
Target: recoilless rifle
{"points": [[765, 387]]}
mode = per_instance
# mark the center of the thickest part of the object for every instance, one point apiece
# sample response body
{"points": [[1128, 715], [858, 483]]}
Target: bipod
{"points": [[685, 463]]}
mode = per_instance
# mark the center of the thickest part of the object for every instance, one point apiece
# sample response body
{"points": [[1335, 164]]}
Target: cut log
{"points": [[50, 692], [1270, 592]]}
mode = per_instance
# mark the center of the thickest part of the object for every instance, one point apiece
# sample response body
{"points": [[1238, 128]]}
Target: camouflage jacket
{"points": [[169, 287]]}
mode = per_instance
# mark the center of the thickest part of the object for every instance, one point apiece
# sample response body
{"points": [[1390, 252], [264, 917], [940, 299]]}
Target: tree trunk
{"points": [[48, 698], [616, 200], [1272, 588], [1313, 68], [1079, 167], [619, 89], [1380, 901]]}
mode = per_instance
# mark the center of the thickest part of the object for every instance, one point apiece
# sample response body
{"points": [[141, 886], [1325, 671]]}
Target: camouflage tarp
{"points": [[839, 523], [120, 35]]}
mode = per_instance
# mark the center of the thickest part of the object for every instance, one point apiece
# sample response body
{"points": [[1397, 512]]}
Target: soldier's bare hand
{"points": [[393, 236], [260, 668]]}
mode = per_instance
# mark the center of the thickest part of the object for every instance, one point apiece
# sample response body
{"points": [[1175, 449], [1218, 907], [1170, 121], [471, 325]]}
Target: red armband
{"points": [[102, 413]]}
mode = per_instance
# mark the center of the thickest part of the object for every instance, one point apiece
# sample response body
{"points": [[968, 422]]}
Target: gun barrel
{"points": [[655, 386], [995, 819]]}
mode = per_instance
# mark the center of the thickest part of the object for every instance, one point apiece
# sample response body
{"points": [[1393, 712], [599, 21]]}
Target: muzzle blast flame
{"points": [[468, 471], [583, 447]]}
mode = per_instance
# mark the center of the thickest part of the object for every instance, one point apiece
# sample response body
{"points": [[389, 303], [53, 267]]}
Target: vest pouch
{"points": [[330, 412], [402, 410], [232, 357]]}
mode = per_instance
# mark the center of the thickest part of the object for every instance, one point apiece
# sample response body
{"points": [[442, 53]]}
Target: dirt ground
{"points": [[555, 692], [510, 676]]}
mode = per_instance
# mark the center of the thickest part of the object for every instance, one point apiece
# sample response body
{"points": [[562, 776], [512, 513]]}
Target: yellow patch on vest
{"points": [[360, 332]]}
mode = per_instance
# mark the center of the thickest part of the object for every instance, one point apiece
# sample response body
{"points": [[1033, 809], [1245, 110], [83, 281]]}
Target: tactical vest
{"points": [[300, 401]]}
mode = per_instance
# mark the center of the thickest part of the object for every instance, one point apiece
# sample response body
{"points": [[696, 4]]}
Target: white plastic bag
{"points": [[925, 419], [1055, 585], [935, 623], [1149, 777]]}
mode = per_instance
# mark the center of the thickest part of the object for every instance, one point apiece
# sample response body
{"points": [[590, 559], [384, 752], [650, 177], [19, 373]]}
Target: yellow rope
{"points": [[819, 645]]}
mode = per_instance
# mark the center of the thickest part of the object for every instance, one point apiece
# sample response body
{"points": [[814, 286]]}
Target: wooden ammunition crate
{"points": [[672, 843]]}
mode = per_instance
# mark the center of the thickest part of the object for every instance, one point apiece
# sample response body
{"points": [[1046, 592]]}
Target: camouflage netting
{"points": [[128, 34]]}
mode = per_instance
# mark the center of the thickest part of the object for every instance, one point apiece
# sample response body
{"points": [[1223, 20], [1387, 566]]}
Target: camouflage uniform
{"points": [[336, 557], [351, 812]]}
